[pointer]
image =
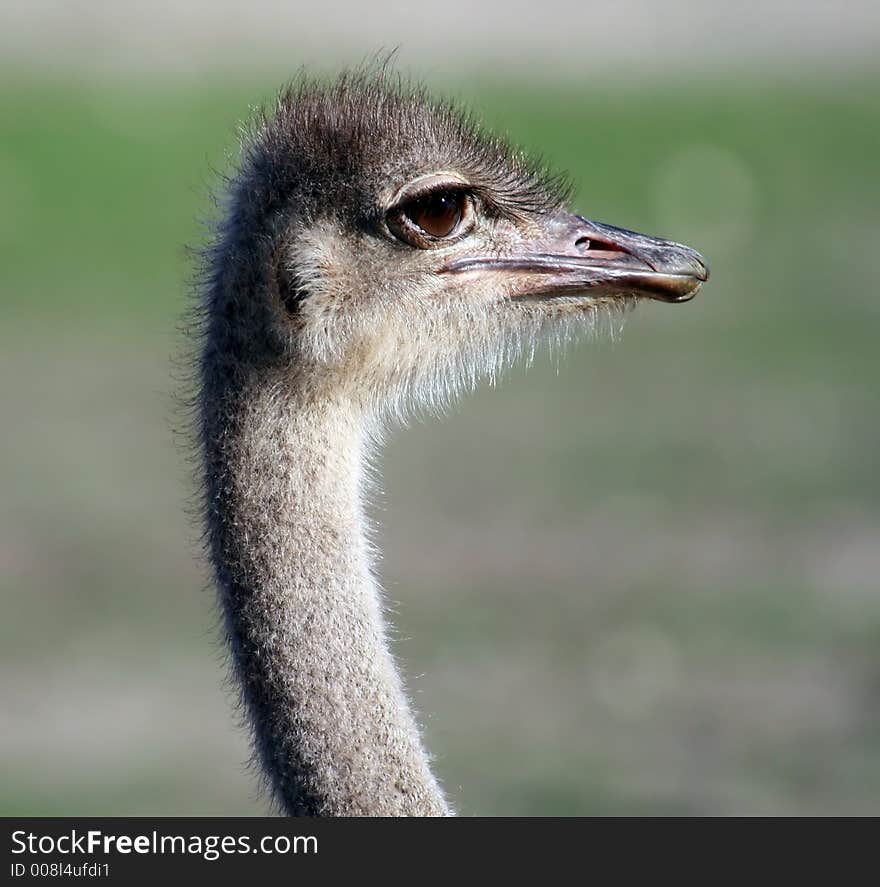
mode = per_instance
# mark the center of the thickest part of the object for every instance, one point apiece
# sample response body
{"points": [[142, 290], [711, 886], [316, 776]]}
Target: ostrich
{"points": [[377, 252]]}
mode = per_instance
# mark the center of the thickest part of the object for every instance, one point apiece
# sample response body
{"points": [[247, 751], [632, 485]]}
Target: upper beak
{"points": [[576, 256]]}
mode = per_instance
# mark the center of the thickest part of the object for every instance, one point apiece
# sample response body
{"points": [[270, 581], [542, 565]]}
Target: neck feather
{"points": [[332, 724]]}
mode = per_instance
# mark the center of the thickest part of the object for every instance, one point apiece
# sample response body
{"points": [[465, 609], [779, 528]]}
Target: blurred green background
{"points": [[642, 578]]}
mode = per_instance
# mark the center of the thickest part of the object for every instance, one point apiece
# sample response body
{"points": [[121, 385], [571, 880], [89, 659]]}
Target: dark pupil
{"points": [[436, 214]]}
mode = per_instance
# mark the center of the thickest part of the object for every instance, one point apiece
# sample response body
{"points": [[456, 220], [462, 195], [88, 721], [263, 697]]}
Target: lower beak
{"points": [[575, 256]]}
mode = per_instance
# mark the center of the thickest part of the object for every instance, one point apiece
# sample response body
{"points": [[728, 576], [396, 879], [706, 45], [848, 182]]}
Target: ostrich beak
{"points": [[574, 256]]}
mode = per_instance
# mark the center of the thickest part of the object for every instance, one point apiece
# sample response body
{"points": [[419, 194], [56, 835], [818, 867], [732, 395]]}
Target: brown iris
{"points": [[438, 214]]}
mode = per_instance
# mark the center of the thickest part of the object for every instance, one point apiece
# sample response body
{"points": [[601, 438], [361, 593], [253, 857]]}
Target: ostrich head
{"points": [[404, 250]]}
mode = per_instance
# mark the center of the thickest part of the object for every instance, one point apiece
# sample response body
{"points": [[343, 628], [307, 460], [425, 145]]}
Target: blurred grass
{"points": [[641, 579]]}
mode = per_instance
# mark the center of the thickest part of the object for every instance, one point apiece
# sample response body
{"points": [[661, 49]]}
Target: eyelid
{"points": [[437, 181], [413, 196]]}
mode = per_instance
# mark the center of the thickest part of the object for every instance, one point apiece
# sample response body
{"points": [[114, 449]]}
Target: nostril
{"points": [[586, 244]]}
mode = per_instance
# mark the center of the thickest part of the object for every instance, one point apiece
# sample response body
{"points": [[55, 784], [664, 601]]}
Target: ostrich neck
{"points": [[332, 724]]}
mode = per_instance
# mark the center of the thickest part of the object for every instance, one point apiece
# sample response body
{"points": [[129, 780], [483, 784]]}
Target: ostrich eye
{"points": [[437, 214], [431, 216]]}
